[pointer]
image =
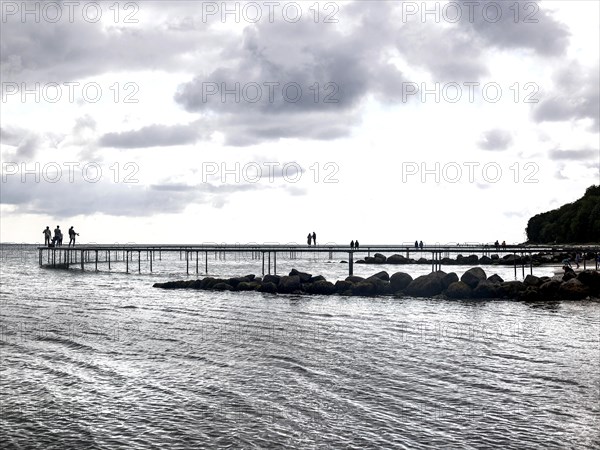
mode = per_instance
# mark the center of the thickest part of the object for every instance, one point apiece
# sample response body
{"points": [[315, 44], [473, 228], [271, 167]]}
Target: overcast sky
{"points": [[191, 122]]}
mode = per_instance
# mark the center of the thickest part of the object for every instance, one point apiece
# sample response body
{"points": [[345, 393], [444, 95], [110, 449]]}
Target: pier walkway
{"points": [[196, 255]]}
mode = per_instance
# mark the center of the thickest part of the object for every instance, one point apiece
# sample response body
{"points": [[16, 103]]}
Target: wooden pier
{"points": [[198, 255]]}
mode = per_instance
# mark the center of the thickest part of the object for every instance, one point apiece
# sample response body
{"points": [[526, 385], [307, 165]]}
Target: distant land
{"points": [[577, 222]]}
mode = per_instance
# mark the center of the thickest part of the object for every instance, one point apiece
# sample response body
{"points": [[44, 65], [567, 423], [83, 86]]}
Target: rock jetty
{"points": [[473, 284], [470, 260]]}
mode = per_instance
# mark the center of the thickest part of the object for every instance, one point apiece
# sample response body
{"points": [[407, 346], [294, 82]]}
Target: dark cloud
{"points": [[573, 155], [109, 198], [495, 140], [499, 25], [576, 96], [153, 136]]}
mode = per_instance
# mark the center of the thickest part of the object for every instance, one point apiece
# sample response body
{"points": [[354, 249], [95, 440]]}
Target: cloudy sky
{"points": [[386, 121]]}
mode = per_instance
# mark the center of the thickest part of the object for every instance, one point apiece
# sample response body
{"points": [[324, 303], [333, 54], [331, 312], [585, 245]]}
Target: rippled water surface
{"points": [[99, 360]]}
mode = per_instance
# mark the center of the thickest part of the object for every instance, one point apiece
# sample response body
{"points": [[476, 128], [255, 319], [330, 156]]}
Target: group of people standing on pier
{"points": [[419, 244], [311, 238], [354, 244], [497, 245], [56, 241]]}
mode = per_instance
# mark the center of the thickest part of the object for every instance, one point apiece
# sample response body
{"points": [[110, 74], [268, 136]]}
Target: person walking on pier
{"points": [[72, 235], [57, 239], [47, 236], [421, 245], [416, 244], [577, 259], [356, 245], [351, 244], [308, 239], [314, 236], [503, 245]]}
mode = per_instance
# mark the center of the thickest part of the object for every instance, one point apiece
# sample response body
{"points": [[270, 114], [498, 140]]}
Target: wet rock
{"points": [[383, 275], [399, 281], [379, 258], [485, 260], [531, 294], [209, 282], [591, 279], [354, 279], [473, 276], [573, 290], [248, 286], [222, 286], [397, 259], [496, 279], [510, 289], [343, 287], [569, 275], [549, 289], [320, 287], [422, 261], [426, 285], [289, 284], [485, 289], [304, 277], [448, 280], [271, 279], [363, 288], [495, 257], [459, 290], [532, 280], [268, 287], [314, 279]]}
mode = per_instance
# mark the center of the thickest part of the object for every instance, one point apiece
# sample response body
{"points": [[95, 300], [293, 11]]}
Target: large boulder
{"points": [[354, 279], [209, 282], [289, 284], [343, 287], [448, 280], [471, 259], [314, 279], [532, 280], [399, 281], [573, 290], [271, 279], [591, 279], [248, 286], [473, 276], [459, 290], [397, 259], [304, 277], [383, 275], [171, 285], [320, 287], [426, 285], [379, 258], [510, 289], [485, 260], [496, 279], [549, 289], [485, 289], [268, 287], [364, 288]]}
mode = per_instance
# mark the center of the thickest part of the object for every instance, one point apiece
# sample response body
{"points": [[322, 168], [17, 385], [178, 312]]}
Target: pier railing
{"points": [[67, 257]]}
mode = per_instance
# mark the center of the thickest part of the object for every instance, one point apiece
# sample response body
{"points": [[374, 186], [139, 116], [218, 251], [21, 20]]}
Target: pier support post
{"points": [[109, 260], [127, 261], [96, 252], [196, 262], [40, 258], [350, 264], [82, 260], [263, 264], [151, 258], [274, 263], [269, 263], [139, 261], [187, 263], [206, 262]]}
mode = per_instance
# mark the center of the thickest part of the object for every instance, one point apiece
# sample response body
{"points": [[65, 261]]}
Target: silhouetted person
{"points": [[351, 244], [72, 235], [356, 245], [497, 244], [504, 245], [47, 236], [56, 240], [416, 244], [577, 259], [314, 238], [308, 239], [421, 245]]}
